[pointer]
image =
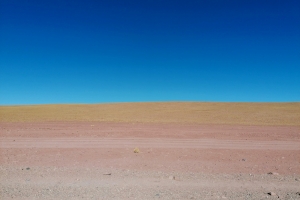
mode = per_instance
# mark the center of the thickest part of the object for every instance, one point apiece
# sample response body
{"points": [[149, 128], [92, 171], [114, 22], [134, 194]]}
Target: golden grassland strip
{"points": [[177, 112]]}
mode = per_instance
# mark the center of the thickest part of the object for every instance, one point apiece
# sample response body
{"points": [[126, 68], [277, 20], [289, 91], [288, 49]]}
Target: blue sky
{"points": [[152, 50]]}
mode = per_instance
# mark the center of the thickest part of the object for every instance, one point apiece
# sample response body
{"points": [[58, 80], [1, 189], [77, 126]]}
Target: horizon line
{"points": [[141, 102]]}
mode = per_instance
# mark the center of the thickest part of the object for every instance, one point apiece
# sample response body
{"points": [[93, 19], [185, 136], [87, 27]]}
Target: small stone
{"points": [[107, 174], [273, 173], [243, 159], [28, 168], [296, 179], [271, 193], [172, 177]]}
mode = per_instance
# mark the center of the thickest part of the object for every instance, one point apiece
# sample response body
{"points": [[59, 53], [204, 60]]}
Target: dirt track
{"points": [[147, 143], [95, 159]]}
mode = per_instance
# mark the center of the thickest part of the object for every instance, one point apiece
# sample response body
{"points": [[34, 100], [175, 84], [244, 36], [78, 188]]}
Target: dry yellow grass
{"points": [[136, 150], [199, 113]]}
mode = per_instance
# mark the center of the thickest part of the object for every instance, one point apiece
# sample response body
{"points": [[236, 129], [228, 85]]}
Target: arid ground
{"points": [[186, 151]]}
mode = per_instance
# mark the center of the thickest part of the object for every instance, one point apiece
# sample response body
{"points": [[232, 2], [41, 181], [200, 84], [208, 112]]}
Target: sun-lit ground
{"points": [[199, 113], [185, 151]]}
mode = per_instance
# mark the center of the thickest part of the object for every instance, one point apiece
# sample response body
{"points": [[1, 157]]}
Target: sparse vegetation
{"points": [[136, 150], [194, 113]]}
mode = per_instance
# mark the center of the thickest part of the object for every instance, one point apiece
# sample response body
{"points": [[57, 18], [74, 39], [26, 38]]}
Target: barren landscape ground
{"points": [[186, 151]]}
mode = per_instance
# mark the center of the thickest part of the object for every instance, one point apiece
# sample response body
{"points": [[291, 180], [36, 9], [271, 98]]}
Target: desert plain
{"points": [[185, 150]]}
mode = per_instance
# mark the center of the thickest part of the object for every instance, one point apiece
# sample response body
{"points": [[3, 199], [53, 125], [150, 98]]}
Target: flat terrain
{"points": [[186, 151], [193, 113]]}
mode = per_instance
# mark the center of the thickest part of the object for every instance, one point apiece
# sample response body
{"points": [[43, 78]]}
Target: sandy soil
{"points": [[95, 159]]}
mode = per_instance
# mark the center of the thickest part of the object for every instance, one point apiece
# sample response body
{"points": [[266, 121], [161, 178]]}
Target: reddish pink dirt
{"points": [[168, 148], [199, 148]]}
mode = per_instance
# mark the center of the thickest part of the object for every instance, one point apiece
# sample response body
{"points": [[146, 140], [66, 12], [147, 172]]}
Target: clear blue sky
{"points": [[87, 51]]}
